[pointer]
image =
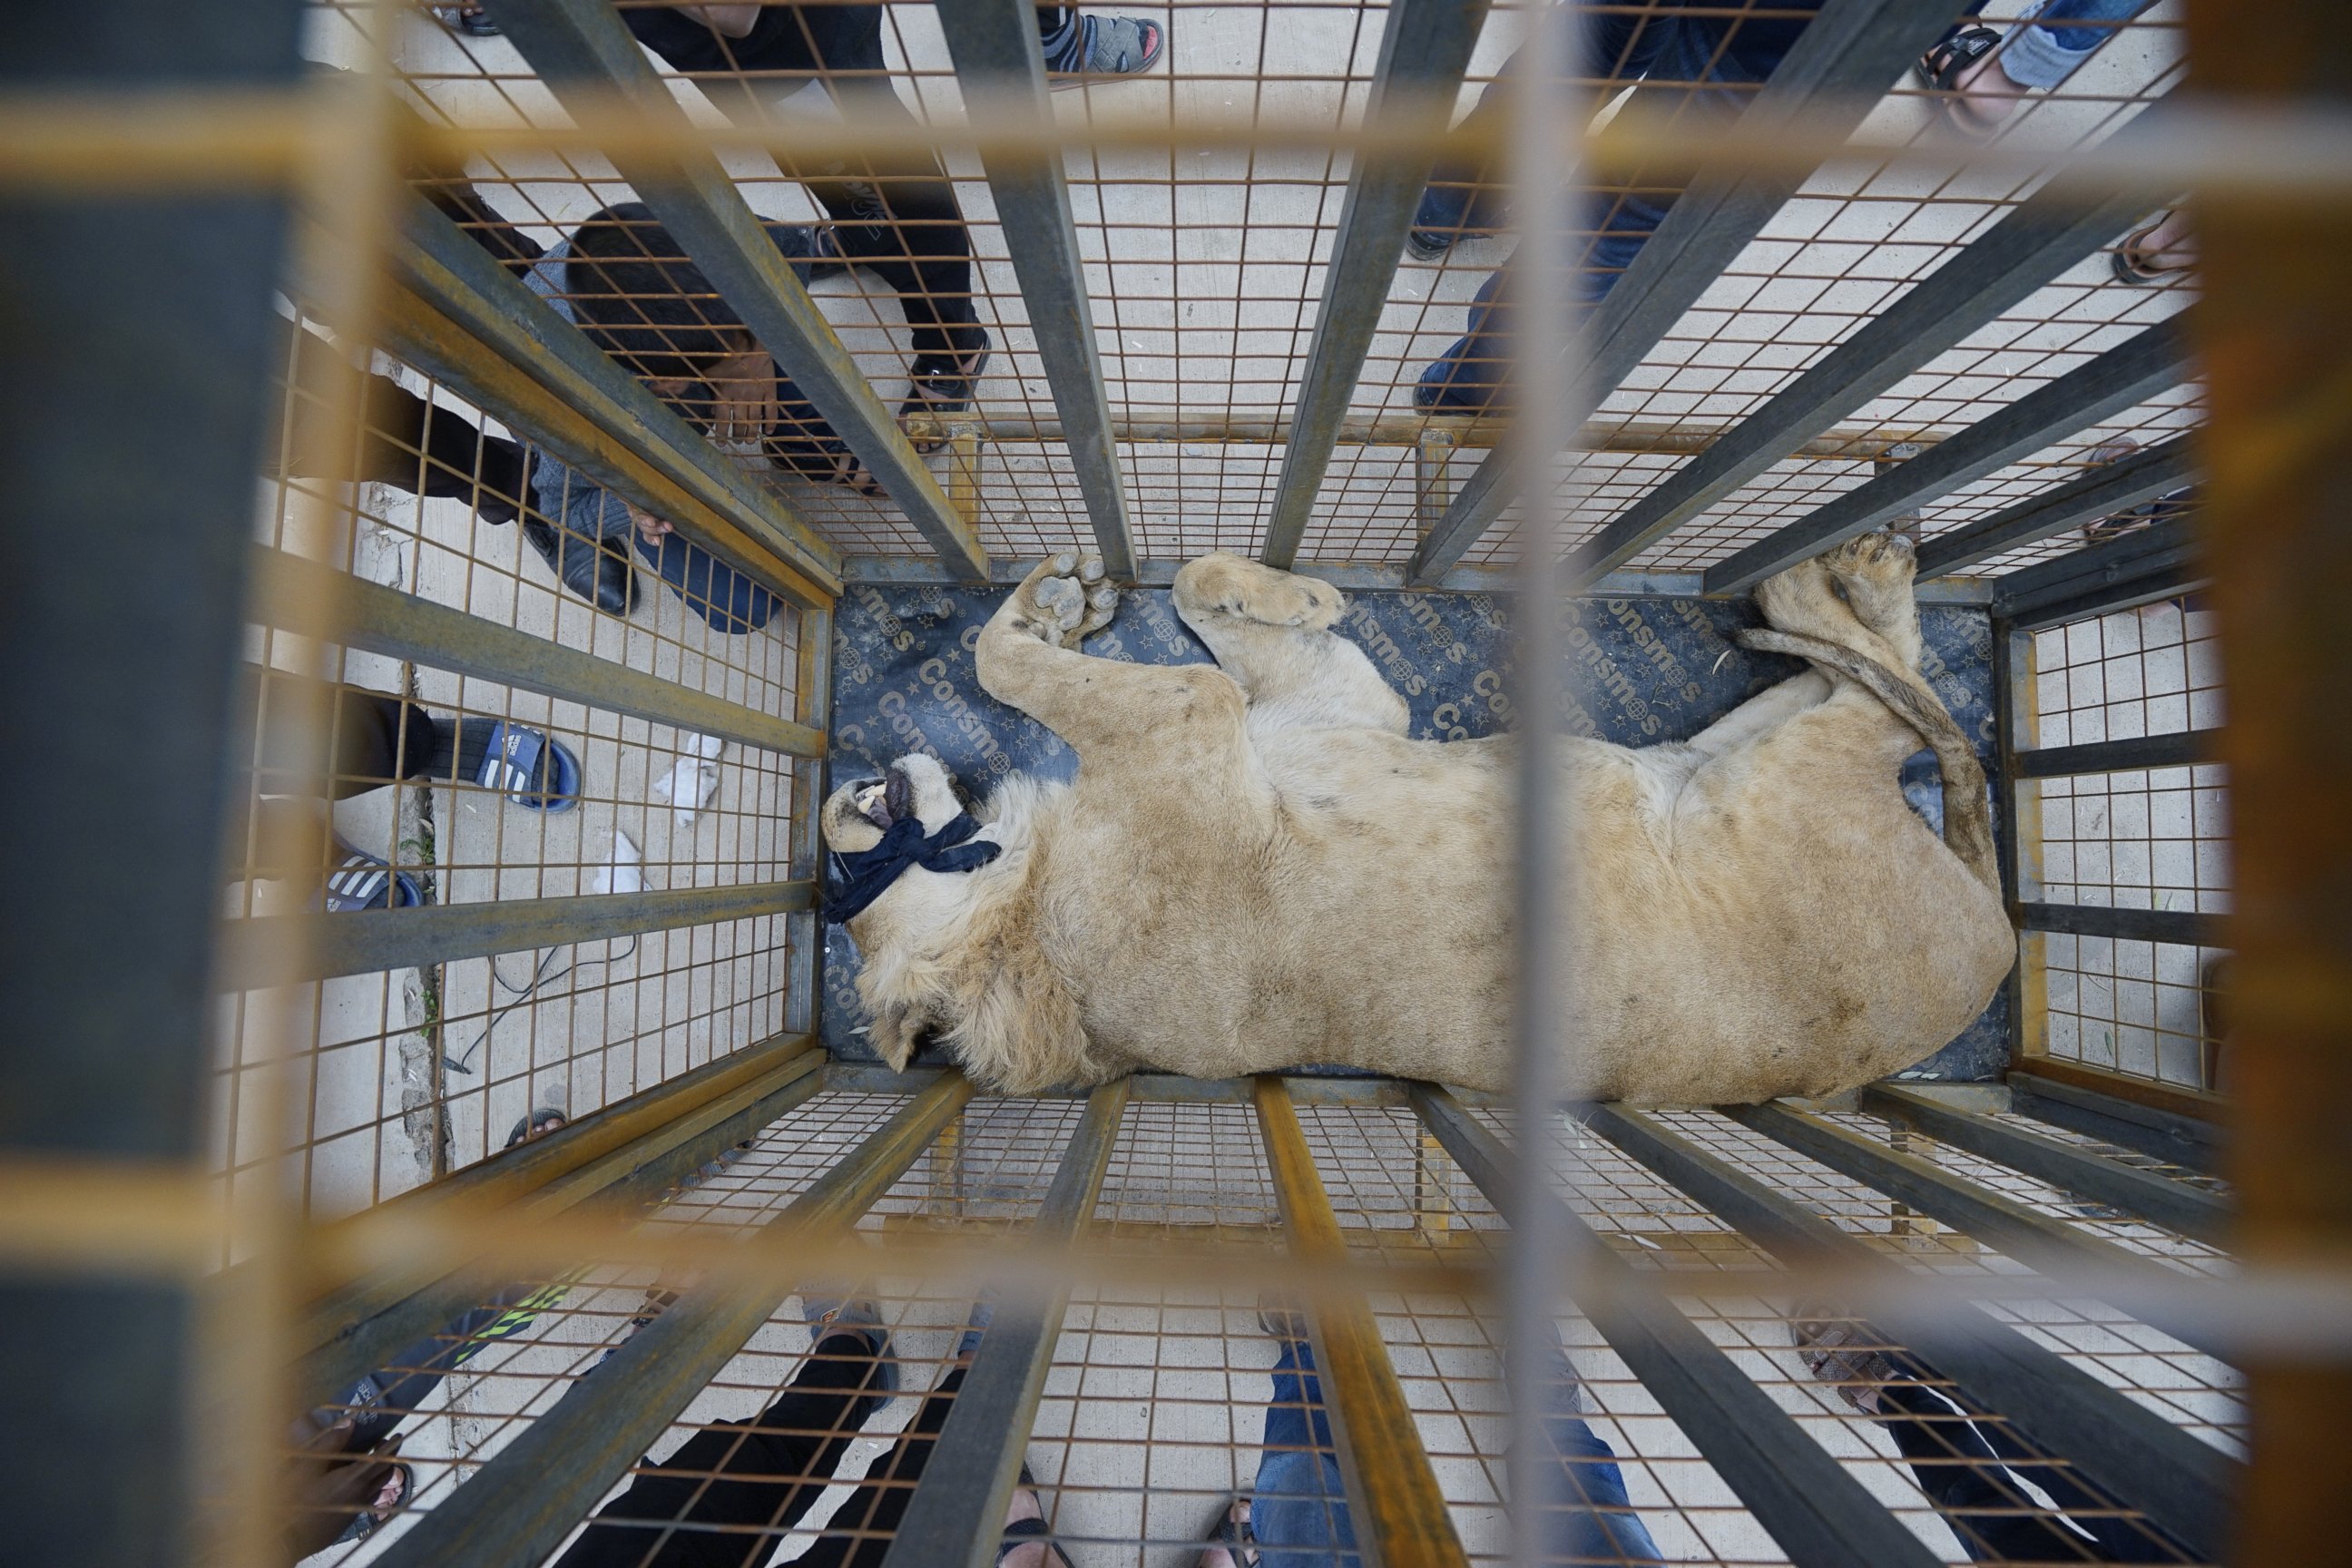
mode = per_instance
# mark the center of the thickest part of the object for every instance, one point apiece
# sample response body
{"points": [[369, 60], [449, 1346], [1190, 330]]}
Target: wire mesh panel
{"points": [[2135, 838]]}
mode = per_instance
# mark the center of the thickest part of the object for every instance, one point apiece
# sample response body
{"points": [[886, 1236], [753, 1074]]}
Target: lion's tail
{"points": [[1968, 819]]}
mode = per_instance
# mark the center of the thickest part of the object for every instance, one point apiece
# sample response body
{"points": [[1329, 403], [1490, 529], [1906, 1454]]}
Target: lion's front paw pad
{"points": [[1062, 602]]}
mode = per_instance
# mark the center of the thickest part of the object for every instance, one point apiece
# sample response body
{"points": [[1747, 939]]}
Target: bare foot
{"points": [[1984, 98]]}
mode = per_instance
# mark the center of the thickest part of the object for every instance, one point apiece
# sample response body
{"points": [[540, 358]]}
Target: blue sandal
{"points": [[535, 772], [363, 881]]}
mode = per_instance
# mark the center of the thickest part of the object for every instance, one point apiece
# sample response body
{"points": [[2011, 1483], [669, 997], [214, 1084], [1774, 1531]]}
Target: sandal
{"points": [[1843, 1353], [471, 21], [535, 772], [942, 384], [2131, 519], [1233, 1534], [1942, 68], [2130, 260], [1108, 46], [362, 881], [1021, 1532]]}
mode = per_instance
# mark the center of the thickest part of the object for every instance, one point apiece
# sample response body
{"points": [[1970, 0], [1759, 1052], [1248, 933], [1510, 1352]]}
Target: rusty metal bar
{"points": [[1001, 72], [441, 265], [564, 421], [587, 59], [627, 1150], [319, 601], [2193, 1211], [519, 1507], [1392, 1495], [2182, 1484], [812, 699], [281, 950], [1836, 74], [2043, 236], [2093, 494], [2040, 1241], [967, 1483], [2194, 1141], [2130, 372], [1425, 49], [1820, 1515]]}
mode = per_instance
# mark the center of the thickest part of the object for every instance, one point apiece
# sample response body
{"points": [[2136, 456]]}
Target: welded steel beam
{"points": [[953, 1518], [1811, 1503], [2176, 749], [626, 1153], [319, 601], [585, 55], [2100, 492], [2191, 1210], [2182, 1484], [1841, 66], [504, 331], [2191, 1141], [2043, 1242], [2127, 374], [1393, 1497], [134, 352], [2125, 570], [813, 699], [2181, 928], [1001, 72], [284, 949], [521, 1504], [2041, 237], [1423, 52]]}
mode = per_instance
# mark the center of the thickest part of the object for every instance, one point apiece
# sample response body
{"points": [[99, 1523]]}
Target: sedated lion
{"points": [[1255, 868]]}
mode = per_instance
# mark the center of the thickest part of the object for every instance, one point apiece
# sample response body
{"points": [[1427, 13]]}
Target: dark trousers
{"points": [[895, 214], [407, 442], [292, 732], [1971, 1472], [734, 1488]]}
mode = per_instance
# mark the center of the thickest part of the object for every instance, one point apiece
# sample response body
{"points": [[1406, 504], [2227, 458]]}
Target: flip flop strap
{"points": [[1947, 59], [360, 880], [1021, 1532], [512, 766]]}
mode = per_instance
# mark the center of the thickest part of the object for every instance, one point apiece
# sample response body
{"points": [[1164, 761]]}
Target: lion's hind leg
{"points": [[1270, 631]]}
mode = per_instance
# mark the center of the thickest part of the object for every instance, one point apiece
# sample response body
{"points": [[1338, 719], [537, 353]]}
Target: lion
{"points": [[1255, 868]]}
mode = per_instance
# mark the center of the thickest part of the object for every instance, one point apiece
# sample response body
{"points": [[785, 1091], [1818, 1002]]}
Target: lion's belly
{"points": [[1364, 918]]}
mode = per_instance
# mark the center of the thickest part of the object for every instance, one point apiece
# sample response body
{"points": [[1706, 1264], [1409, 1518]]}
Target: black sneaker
{"points": [[591, 572]]}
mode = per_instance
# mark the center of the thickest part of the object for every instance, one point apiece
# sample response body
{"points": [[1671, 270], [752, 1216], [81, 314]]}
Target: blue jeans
{"points": [[1298, 1509], [2047, 50], [718, 593]]}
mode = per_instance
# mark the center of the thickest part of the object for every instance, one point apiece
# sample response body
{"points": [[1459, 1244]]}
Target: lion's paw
{"points": [[1067, 598], [1229, 585], [1883, 557]]}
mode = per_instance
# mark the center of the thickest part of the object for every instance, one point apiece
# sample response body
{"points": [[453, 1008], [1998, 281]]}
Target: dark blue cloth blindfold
{"points": [[865, 875]]}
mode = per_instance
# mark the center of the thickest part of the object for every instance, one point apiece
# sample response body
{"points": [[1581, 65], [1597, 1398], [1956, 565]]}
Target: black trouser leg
{"points": [[759, 1478], [882, 1496], [1996, 1519], [901, 221], [406, 443], [292, 731], [370, 738]]}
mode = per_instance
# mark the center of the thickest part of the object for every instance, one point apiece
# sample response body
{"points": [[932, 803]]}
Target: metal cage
{"points": [[422, 1013]]}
